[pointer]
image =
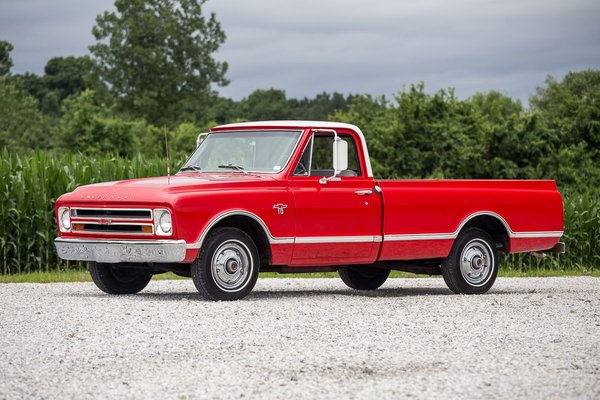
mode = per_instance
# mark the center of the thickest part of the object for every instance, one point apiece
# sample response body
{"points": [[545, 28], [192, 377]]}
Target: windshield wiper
{"points": [[191, 168], [234, 166]]}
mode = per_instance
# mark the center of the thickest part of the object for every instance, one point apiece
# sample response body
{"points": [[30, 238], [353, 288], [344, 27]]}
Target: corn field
{"points": [[30, 184]]}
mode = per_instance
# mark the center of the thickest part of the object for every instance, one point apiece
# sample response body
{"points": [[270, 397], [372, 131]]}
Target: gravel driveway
{"points": [[303, 338]]}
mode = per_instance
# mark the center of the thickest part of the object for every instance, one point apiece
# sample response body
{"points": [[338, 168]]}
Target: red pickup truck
{"points": [[300, 196]]}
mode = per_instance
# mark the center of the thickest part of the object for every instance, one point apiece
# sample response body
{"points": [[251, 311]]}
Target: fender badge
{"points": [[280, 208]]}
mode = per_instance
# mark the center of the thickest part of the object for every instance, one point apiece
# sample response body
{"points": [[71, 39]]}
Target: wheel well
{"points": [[494, 227], [253, 229]]}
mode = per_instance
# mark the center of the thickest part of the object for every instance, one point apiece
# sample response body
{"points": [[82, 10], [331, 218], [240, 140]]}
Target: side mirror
{"points": [[340, 155], [201, 138]]}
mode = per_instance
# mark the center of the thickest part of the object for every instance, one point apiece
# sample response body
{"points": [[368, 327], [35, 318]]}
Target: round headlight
{"points": [[165, 222], [65, 219]]}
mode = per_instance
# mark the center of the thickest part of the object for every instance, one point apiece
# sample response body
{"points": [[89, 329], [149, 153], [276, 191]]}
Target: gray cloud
{"points": [[354, 46], [41, 29]]}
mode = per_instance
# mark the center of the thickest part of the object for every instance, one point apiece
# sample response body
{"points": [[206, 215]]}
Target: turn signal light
{"points": [[78, 227], [146, 228]]}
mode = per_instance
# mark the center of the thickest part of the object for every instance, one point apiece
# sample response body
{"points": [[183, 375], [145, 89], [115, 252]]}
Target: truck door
{"points": [[334, 218]]}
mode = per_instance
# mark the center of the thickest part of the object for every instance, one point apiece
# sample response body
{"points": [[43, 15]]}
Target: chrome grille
{"points": [[113, 214], [112, 221]]}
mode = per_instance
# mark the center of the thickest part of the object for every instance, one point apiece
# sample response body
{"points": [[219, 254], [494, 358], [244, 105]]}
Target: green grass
{"points": [[84, 276], [548, 273], [47, 277], [64, 276]]}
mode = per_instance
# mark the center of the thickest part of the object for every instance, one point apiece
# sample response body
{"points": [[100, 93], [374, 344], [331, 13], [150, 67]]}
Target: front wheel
{"points": [[115, 279], [227, 266], [472, 265], [364, 279]]}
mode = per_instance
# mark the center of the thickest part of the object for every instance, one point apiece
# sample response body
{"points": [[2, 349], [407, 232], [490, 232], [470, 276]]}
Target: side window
{"points": [[322, 157], [303, 165]]}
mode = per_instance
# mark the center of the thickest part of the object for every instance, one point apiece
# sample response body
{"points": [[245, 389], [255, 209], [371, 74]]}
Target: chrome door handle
{"points": [[363, 192]]}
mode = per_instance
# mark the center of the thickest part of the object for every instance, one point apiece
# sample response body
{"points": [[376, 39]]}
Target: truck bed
{"points": [[427, 215]]}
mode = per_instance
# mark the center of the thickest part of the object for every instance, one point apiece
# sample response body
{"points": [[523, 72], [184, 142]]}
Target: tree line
{"points": [[153, 67]]}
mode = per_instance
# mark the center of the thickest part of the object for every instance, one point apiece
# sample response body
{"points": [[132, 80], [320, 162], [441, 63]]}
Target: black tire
{"points": [[472, 265], [364, 279], [113, 279], [227, 266]]}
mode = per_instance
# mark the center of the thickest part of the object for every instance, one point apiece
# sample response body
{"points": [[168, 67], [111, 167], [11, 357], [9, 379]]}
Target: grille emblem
{"points": [[105, 221]]}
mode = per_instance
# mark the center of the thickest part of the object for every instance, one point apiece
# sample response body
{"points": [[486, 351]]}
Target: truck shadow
{"points": [[308, 293], [383, 292], [258, 294], [320, 293]]}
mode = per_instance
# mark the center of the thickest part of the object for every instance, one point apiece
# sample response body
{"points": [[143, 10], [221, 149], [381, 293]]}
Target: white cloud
{"points": [[306, 47]]}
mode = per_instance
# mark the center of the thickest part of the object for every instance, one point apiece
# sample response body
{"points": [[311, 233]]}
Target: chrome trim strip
{"points": [[111, 217], [367, 238], [480, 213], [116, 251], [337, 239], [425, 236], [272, 240], [542, 234], [452, 236]]}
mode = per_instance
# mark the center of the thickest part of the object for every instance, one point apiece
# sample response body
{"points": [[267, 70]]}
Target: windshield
{"points": [[244, 151]]}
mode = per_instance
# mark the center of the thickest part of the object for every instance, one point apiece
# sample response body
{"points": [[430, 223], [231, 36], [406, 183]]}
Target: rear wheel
{"points": [[472, 265], [227, 266], [114, 279], [364, 279]]}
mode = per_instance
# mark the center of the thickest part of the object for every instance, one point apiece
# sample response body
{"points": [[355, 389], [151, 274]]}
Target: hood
{"points": [[163, 189]]}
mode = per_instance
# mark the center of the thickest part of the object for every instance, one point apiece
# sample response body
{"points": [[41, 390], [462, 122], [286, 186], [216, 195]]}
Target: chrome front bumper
{"points": [[116, 251]]}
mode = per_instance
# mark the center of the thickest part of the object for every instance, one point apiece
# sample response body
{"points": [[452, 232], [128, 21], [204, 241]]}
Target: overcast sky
{"points": [[350, 46]]}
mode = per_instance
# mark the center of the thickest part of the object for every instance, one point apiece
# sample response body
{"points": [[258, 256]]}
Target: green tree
{"points": [[22, 126], [569, 111], [68, 76], [504, 134], [572, 107], [182, 140], [88, 126], [157, 58], [33, 84], [5, 60], [64, 77], [263, 105], [423, 135], [224, 110], [319, 108]]}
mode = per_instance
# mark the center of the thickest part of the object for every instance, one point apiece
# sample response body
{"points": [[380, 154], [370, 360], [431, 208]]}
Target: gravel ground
{"points": [[303, 338]]}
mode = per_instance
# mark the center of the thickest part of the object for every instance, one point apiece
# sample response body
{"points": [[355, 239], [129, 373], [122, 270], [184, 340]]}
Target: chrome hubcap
{"points": [[476, 262], [231, 266]]}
